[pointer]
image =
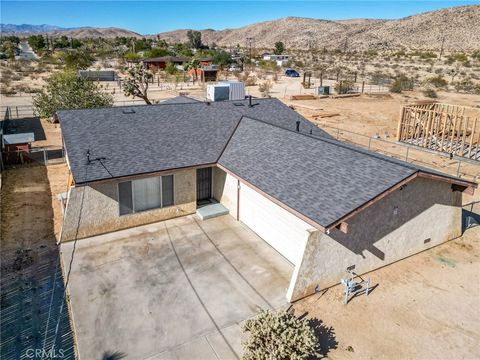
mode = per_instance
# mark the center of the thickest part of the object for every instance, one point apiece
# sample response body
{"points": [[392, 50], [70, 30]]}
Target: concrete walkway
{"points": [[172, 290]]}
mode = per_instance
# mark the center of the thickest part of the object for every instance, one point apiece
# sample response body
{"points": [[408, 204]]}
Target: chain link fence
{"points": [[456, 166]]}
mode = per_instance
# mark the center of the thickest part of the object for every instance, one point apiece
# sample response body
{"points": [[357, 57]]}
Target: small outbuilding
{"points": [[159, 63], [16, 147]]}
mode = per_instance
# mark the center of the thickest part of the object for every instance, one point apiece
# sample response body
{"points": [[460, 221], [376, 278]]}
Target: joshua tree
{"points": [[136, 84]]}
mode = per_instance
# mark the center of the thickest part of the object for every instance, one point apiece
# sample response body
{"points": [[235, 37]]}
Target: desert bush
{"points": [[278, 336], [430, 93], [250, 81], [467, 86], [7, 91], [265, 88], [460, 57], [344, 87], [437, 81], [396, 87]]}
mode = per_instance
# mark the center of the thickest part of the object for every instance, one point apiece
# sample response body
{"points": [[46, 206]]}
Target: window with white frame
{"points": [[145, 194]]}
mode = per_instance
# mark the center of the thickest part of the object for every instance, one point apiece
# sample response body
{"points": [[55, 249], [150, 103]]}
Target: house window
{"points": [[145, 194]]}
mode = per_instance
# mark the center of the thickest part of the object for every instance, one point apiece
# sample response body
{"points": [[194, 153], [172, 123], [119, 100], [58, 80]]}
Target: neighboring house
{"points": [[159, 63], [206, 61], [205, 73], [281, 60], [323, 204]]}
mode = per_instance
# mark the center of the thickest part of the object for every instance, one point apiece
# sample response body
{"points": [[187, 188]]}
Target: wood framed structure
{"points": [[452, 129]]}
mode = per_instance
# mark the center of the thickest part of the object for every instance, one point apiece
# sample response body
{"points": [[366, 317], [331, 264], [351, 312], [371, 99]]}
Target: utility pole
{"points": [[441, 49], [250, 40]]}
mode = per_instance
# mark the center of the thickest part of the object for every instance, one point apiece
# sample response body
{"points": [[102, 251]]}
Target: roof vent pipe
{"points": [[250, 101], [298, 126]]}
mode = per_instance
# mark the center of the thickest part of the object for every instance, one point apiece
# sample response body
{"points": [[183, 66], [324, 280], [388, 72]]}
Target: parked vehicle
{"points": [[291, 73]]}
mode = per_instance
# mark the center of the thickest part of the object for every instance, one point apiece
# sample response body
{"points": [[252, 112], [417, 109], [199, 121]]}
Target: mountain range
{"points": [[458, 28]]}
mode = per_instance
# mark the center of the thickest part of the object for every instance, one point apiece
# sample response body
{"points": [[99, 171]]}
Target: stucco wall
{"points": [[100, 210], [225, 188], [397, 226]]}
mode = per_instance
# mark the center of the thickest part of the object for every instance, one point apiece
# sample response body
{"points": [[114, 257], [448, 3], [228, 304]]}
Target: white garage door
{"points": [[282, 230]]}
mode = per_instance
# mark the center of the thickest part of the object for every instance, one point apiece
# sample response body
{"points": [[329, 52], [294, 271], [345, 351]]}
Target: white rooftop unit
{"points": [[226, 90]]}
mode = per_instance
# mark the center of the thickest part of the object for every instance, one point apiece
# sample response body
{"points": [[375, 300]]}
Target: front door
{"points": [[204, 184]]}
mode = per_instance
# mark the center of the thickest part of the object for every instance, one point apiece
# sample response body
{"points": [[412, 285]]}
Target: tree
{"points": [[194, 39], [78, 59], [156, 52], [222, 59], [65, 90], [279, 48], [136, 83], [37, 42], [170, 68], [279, 336]]}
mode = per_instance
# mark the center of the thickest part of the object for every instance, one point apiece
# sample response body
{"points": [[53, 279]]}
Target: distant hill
{"points": [[81, 32], [89, 32], [28, 29], [459, 25]]}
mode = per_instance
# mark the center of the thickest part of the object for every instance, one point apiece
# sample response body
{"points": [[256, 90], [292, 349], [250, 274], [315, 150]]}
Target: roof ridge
{"points": [[195, 101], [341, 144]]}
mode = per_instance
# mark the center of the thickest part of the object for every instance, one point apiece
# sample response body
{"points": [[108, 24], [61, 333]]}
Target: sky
{"points": [[150, 17]]}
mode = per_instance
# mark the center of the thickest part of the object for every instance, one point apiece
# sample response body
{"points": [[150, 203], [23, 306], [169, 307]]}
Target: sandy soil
{"points": [[423, 307], [31, 212]]}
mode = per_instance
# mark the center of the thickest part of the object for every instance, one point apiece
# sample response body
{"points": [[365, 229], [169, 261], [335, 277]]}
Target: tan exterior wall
{"points": [[100, 210], [397, 226], [225, 190]]}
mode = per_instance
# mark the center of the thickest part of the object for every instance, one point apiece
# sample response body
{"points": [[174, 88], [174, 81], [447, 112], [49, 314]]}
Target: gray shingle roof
{"points": [[145, 139], [179, 100], [322, 180]]}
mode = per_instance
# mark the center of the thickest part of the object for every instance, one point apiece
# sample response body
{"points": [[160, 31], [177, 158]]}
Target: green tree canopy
{"points": [[65, 90], [78, 59], [37, 42], [194, 39], [156, 52], [222, 59], [279, 48]]}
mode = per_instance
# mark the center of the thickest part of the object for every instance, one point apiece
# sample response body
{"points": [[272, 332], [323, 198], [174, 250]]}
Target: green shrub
{"points": [[437, 81], [396, 87], [278, 336], [430, 93], [344, 87]]}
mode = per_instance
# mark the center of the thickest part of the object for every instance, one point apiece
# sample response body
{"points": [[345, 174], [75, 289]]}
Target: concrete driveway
{"points": [[172, 290]]}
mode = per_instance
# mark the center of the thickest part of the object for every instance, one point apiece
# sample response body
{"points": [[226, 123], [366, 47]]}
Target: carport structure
{"points": [[172, 289]]}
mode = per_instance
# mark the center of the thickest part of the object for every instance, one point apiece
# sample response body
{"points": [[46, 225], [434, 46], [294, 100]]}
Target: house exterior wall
{"points": [[100, 209], [395, 227], [225, 190]]}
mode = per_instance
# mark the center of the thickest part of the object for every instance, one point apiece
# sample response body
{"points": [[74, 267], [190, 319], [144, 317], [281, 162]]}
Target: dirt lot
{"points": [[31, 281], [423, 307]]}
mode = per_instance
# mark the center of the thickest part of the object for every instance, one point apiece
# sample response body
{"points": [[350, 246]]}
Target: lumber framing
{"points": [[453, 129]]}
